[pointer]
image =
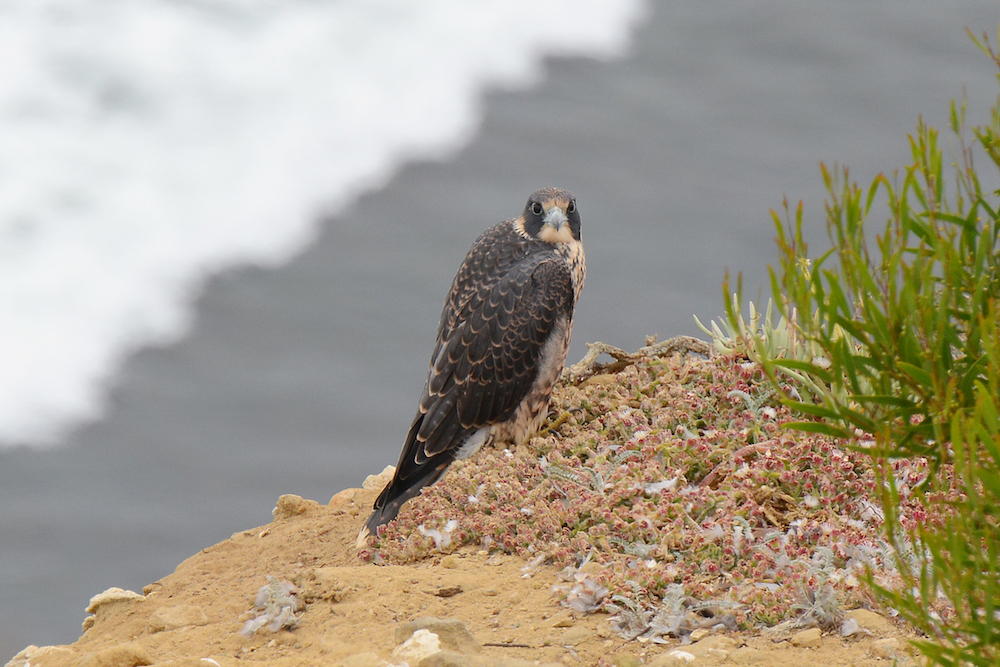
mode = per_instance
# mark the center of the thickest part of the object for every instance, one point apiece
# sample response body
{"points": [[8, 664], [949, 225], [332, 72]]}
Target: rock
{"points": [[602, 379], [419, 645], [576, 635], [850, 627], [887, 649], [450, 562], [345, 497], [700, 633], [378, 482], [674, 658], [123, 655], [712, 646], [810, 638], [452, 633], [562, 620], [46, 655], [177, 616], [870, 621], [110, 596], [290, 505]]}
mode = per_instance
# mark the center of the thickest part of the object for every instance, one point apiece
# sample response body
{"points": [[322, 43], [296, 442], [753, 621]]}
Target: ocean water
{"points": [[276, 333], [144, 145]]}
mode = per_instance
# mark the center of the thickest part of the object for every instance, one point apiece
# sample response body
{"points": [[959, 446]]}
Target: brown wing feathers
{"points": [[508, 297], [490, 359]]}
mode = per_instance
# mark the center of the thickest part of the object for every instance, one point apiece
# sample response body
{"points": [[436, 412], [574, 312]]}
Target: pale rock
{"points": [[712, 646], [810, 638], [870, 621], [850, 628], [602, 379], [678, 657], [378, 482], [110, 596], [345, 497], [290, 505], [421, 644], [563, 619], [62, 655], [177, 616], [451, 633], [450, 562], [700, 633]]}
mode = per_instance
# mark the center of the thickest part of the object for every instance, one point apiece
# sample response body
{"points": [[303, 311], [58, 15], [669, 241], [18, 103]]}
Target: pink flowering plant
{"points": [[672, 476], [897, 352]]}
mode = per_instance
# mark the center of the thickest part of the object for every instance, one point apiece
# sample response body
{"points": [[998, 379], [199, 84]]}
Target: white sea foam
{"points": [[145, 144]]}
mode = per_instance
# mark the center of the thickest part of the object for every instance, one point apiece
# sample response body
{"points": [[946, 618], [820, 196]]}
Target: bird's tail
{"points": [[397, 492]]}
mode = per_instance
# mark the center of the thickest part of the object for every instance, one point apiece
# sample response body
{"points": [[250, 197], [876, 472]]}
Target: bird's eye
{"points": [[536, 208], [572, 207]]}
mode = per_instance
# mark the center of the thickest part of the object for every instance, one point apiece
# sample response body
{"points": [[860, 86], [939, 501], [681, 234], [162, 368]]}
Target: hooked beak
{"points": [[555, 217]]}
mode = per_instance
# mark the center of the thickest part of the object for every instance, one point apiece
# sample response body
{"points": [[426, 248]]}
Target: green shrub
{"points": [[893, 339], [961, 551]]}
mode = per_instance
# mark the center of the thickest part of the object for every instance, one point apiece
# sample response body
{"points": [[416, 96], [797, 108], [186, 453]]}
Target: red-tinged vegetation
{"points": [[667, 473]]}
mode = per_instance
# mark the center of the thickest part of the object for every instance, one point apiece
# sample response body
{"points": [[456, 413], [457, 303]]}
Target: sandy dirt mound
{"points": [[352, 611], [655, 438]]}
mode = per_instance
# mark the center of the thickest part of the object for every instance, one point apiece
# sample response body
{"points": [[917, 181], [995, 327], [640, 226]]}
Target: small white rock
{"points": [[810, 638], [421, 644], [111, 595]]}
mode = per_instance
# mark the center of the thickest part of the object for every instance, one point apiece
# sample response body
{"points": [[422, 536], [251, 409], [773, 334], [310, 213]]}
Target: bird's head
{"points": [[551, 216]]}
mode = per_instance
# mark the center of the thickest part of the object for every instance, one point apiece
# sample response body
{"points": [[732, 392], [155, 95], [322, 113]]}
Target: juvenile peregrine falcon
{"points": [[501, 345]]}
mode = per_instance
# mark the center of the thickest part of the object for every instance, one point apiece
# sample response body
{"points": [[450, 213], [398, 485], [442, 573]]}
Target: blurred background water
{"points": [[227, 228]]}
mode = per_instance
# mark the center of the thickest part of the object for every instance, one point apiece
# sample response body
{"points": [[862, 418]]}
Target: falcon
{"points": [[500, 348]]}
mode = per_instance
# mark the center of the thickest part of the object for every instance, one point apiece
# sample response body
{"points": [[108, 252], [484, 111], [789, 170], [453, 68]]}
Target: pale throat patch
{"points": [[550, 234]]}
